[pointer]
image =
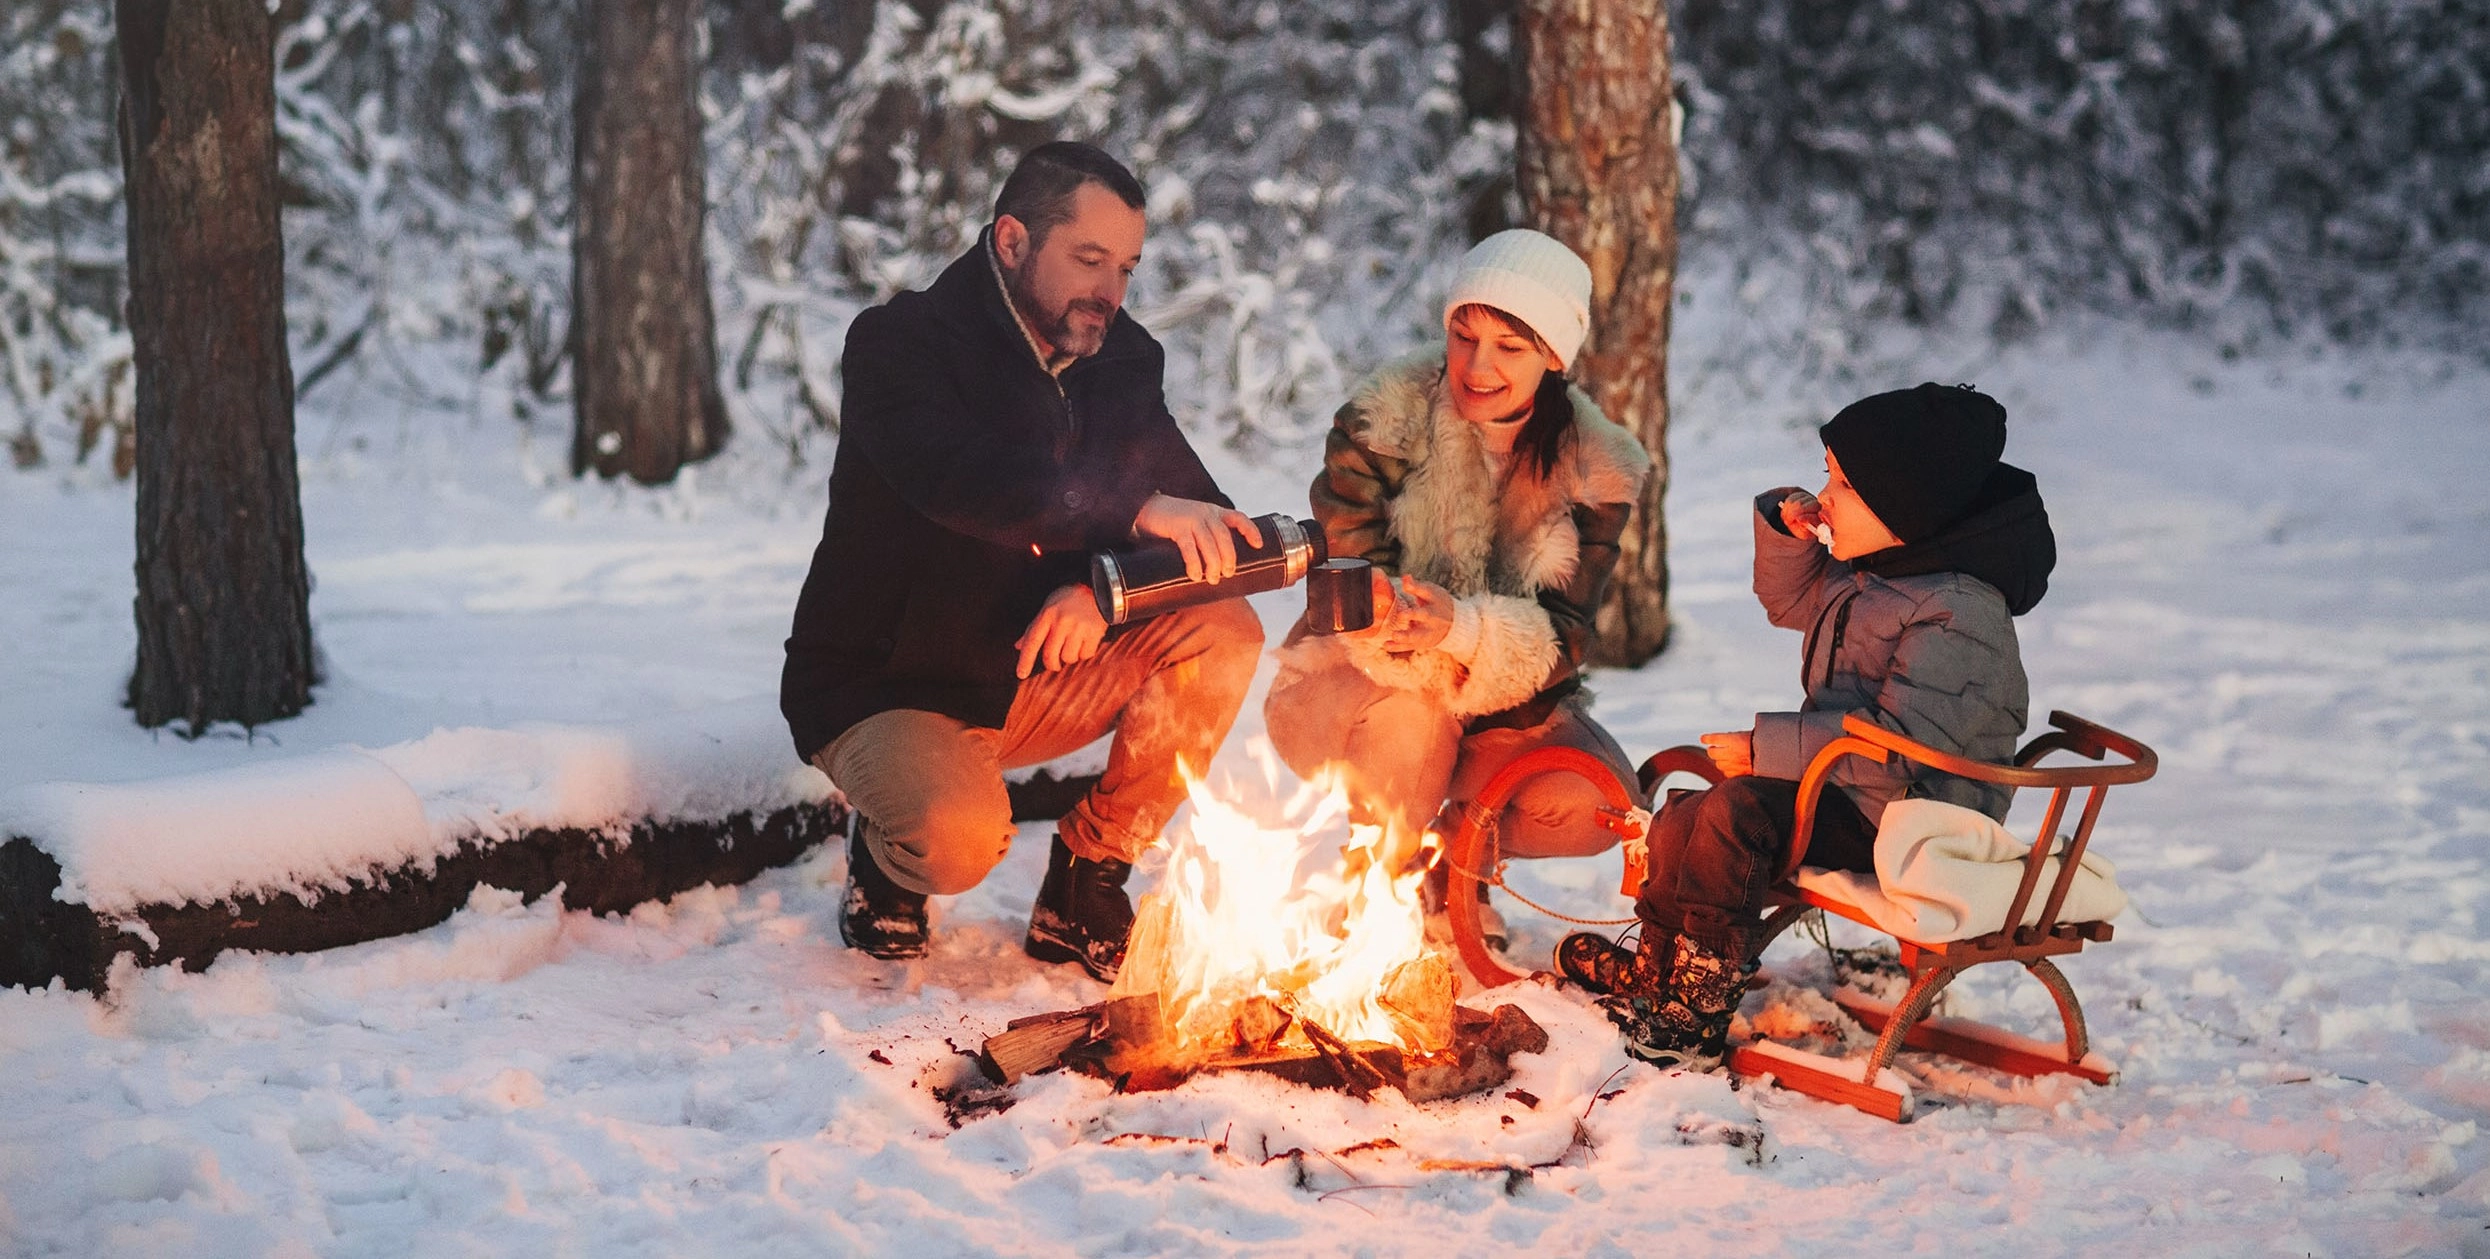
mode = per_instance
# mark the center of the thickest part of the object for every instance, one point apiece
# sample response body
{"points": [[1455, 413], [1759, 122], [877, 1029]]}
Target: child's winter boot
{"points": [[1686, 1024], [1610, 969]]}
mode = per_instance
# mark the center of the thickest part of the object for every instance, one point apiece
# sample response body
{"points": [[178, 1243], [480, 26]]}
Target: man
{"points": [[996, 429]]}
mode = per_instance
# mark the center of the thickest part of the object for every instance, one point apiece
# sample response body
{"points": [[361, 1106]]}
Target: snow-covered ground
{"points": [[2276, 575]]}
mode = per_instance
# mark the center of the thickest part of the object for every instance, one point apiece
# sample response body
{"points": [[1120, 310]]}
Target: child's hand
{"points": [[1801, 514], [1732, 751]]}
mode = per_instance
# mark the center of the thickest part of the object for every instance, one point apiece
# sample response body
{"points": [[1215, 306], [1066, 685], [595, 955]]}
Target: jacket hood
{"points": [[2003, 538]]}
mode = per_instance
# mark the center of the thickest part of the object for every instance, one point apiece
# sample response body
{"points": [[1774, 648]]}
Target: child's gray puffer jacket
{"points": [[1918, 638]]}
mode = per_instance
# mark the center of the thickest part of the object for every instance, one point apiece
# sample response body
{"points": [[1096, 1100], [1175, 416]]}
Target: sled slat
{"points": [[1977, 1042], [1829, 1079]]}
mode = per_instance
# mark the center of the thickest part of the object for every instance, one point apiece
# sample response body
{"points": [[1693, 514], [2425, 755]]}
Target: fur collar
{"points": [[1454, 527]]}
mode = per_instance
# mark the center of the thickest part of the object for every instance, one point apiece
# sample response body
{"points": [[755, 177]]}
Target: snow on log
{"points": [[353, 844]]}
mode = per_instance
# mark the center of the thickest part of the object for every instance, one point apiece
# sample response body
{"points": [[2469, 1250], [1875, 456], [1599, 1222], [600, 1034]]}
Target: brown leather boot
{"points": [[1082, 913], [877, 916]]}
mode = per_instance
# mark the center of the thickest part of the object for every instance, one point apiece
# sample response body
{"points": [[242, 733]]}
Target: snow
{"points": [[292, 825], [2271, 572], [349, 812]]}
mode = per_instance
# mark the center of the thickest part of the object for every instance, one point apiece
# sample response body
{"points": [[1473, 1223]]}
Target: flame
{"points": [[1230, 921]]}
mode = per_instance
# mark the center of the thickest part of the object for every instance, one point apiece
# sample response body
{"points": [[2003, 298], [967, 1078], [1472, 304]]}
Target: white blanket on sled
{"points": [[1944, 872]]}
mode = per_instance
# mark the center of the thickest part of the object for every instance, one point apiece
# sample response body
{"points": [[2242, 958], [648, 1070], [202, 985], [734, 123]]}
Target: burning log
{"points": [[1125, 1041], [1418, 995], [1236, 963], [1259, 1025], [1356, 1074]]}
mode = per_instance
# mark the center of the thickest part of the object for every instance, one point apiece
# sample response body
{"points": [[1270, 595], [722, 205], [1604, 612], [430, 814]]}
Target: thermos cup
{"points": [[1340, 597], [1148, 578]]}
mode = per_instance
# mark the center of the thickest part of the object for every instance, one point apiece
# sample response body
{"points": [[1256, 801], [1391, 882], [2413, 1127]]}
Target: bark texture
{"points": [[644, 369], [1596, 157], [224, 625]]}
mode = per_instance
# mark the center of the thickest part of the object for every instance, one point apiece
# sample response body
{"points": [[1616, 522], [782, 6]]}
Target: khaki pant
{"points": [[931, 787], [1406, 756]]}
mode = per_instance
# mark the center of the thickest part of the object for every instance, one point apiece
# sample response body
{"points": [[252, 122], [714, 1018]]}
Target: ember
{"points": [[1235, 965]]}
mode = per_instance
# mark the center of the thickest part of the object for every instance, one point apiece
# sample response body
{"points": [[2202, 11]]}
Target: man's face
{"points": [[1070, 285]]}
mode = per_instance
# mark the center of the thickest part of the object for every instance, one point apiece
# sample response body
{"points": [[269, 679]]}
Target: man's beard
{"points": [[1055, 327]]}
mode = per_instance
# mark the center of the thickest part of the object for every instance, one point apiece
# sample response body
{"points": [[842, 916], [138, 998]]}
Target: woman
{"points": [[1494, 494]]}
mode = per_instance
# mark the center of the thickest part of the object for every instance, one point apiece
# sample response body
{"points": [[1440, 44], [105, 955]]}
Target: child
{"points": [[1905, 574]]}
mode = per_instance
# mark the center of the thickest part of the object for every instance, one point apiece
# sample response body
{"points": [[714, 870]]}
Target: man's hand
{"points": [[1421, 616], [1733, 751], [1066, 632], [1202, 531]]}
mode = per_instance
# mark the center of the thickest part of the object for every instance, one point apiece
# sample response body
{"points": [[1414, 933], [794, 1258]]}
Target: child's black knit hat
{"points": [[1918, 457]]}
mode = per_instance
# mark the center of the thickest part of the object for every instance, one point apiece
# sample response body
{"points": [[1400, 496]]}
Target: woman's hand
{"points": [[1732, 751], [1422, 613], [1205, 533]]}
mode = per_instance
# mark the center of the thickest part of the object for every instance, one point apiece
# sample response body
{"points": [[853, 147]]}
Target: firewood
{"points": [[1146, 950], [1258, 1025], [1135, 1022], [1508, 1031], [1037, 1043], [1511, 1030], [1468, 1067], [1354, 1071], [1312, 1069], [1418, 996]]}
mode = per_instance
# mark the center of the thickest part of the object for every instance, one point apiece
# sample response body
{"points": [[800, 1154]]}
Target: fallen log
{"points": [[43, 938]]}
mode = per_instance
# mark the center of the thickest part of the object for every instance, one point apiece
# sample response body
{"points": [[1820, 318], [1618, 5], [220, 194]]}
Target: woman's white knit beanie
{"points": [[1533, 277]]}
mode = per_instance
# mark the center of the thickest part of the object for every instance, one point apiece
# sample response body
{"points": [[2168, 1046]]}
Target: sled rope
{"points": [[1495, 879]]}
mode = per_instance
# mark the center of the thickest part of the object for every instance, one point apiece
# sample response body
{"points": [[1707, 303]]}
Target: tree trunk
{"points": [[224, 624], [644, 370], [1596, 152]]}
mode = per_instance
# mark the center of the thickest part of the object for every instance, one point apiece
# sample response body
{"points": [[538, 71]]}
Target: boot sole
{"points": [[1592, 982], [1051, 950], [887, 953]]}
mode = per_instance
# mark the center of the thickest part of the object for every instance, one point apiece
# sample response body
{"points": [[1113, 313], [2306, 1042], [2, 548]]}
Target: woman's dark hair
{"points": [[1542, 438], [1039, 191]]}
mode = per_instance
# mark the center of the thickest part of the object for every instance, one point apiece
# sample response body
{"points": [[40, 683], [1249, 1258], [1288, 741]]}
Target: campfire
{"points": [[1236, 964]]}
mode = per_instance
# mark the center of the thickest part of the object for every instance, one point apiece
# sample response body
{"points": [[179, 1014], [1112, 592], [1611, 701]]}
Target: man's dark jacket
{"points": [[968, 485]]}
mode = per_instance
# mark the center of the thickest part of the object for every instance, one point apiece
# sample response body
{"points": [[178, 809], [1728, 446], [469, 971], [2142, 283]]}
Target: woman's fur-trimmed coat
{"points": [[1408, 486]]}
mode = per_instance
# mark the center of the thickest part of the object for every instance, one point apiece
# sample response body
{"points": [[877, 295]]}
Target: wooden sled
{"points": [[1869, 1085], [1471, 847]]}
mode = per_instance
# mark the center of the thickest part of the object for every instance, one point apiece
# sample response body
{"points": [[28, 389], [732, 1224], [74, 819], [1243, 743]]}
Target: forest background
{"points": [[2273, 176]]}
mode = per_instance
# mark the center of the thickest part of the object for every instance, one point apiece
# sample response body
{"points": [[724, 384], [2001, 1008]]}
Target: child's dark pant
{"points": [[1715, 853]]}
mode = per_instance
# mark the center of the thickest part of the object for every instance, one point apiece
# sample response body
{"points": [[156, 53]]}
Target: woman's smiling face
{"points": [[1492, 364]]}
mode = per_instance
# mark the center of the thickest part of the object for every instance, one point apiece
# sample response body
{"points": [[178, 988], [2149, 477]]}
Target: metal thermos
{"points": [[1340, 597], [1148, 578]]}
